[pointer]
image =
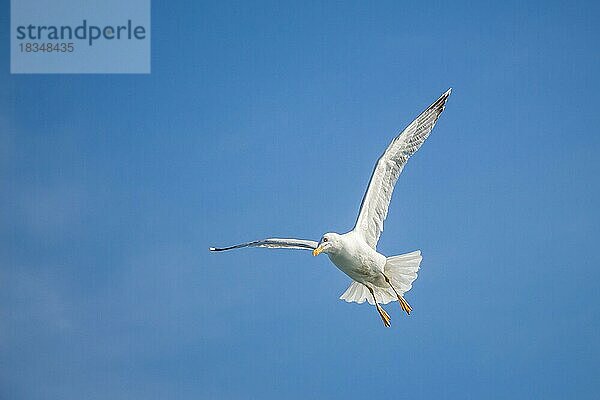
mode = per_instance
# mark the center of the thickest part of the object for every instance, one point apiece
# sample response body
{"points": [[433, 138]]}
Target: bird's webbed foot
{"points": [[384, 316]]}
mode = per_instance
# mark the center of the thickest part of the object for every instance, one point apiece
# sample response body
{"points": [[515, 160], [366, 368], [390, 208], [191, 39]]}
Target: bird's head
{"points": [[329, 243]]}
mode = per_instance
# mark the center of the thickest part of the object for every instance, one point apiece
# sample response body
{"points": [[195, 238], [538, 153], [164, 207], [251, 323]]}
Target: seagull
{"points": [[376, 278]]}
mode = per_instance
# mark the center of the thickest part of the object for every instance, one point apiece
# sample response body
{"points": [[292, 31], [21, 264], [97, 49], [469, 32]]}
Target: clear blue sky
{"points": [[265, 120]]}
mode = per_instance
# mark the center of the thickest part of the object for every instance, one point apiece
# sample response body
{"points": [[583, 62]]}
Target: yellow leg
{"points": [[384, 315], [403, 303]]}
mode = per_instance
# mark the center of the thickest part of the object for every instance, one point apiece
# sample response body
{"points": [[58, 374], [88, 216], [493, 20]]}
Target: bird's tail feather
{"points": [[402, 271], [359, 293]]}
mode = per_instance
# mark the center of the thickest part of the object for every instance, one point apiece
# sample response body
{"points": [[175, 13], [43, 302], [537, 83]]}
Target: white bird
{"points": [[377, 278]]}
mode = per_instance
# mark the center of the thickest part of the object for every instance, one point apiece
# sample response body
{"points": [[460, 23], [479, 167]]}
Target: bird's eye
{"points": [[325, 239]]}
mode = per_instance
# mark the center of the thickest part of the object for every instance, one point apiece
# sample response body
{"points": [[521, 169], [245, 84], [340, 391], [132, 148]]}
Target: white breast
{"points": [[357, 259]]}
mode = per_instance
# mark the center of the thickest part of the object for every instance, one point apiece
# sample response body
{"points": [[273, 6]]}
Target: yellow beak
{"points": [[318, 251]]}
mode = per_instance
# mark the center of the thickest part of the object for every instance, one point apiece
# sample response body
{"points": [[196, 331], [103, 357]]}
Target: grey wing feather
{"points": [[375, 203], [274, 243]]}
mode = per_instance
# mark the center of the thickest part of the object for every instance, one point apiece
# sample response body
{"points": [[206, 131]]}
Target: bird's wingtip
{"points": [[448, 92], [212, 249]]}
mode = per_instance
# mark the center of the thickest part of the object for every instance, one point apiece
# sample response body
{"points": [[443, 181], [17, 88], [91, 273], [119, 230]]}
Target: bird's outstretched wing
{"points": [[274, 243], [375, 203]]}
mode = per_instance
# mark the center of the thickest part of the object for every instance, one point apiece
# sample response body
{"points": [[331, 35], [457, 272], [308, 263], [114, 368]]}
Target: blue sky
{"points": [[265, 120]]}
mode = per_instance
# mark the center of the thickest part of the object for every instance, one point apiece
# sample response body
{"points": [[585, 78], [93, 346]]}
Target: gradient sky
{"points": [[265, 120]]}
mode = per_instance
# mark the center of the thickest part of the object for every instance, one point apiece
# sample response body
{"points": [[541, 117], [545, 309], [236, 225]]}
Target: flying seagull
{"points": [[377, 279]]}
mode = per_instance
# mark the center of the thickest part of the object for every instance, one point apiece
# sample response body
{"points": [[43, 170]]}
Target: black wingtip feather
{"points": [[220, 248]]}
